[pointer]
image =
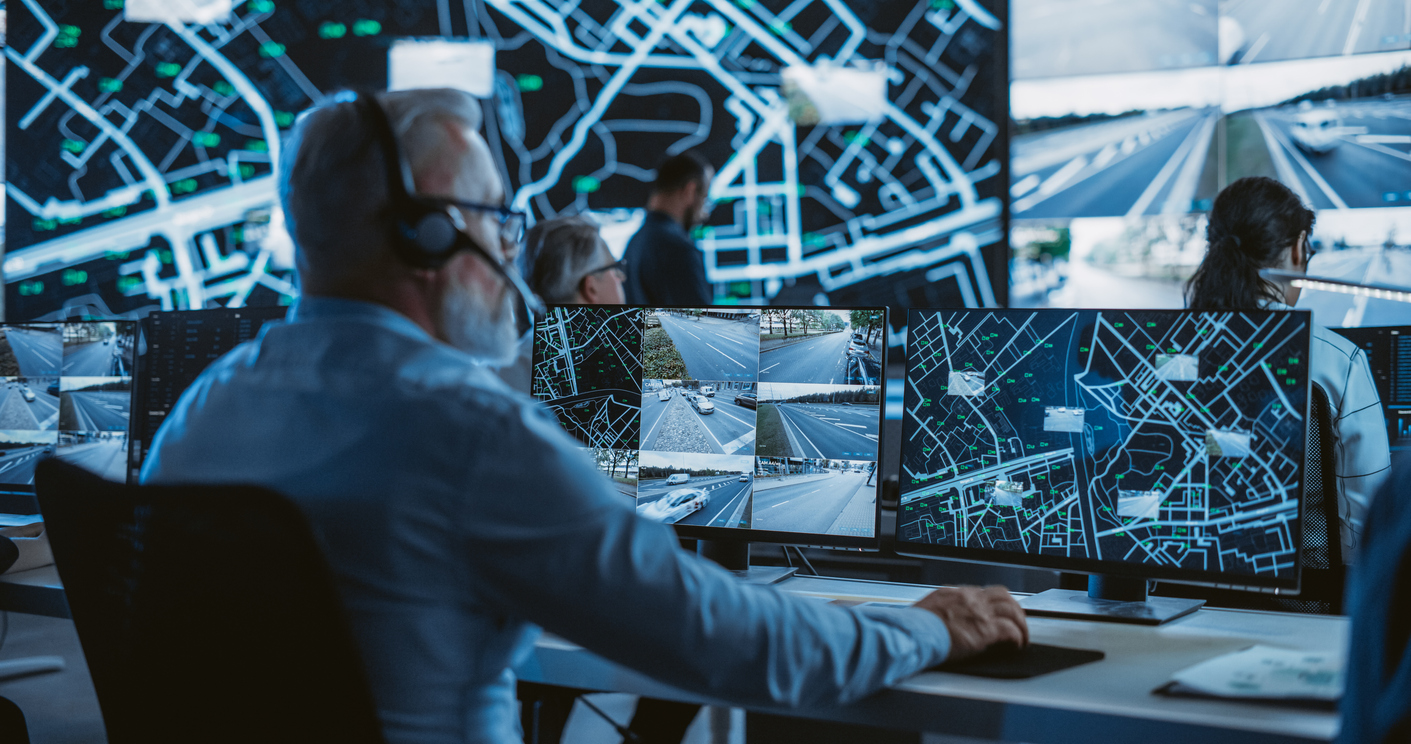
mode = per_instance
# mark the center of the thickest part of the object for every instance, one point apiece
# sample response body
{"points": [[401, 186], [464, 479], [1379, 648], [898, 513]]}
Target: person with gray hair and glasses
{"points": [[569, 264], [566, 263], [459, 519]]}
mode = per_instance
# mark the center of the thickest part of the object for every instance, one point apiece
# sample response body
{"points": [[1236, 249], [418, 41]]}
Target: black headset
{"points": [[425, 235]]}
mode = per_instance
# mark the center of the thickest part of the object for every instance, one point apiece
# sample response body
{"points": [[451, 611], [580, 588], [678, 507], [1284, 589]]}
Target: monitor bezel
{"points": [[993, 556], [774, 537], [12, 495]]}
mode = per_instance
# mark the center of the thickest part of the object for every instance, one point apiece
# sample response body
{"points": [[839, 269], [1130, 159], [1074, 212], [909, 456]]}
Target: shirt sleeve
{"points": [[1362, 455], [551, 541]]}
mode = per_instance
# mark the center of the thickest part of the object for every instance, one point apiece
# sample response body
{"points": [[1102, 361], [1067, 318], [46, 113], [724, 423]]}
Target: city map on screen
{"points": [[1166, 438], [859, 146]]}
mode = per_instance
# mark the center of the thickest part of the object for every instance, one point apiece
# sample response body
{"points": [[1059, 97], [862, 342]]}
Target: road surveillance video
{"points": [[684, 387], [820, 345], [1313, 93], [66, 391], [1167, 438], [1058, 38]]}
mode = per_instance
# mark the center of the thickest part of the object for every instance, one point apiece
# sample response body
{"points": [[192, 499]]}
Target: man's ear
{"points": [[588, 291]]}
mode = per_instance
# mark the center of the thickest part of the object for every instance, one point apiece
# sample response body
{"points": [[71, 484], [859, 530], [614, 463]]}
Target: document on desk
{"points": [[1265, 673]]}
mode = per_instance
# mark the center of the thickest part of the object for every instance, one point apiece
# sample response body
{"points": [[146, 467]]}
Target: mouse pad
{"points": [[1031, 661]]}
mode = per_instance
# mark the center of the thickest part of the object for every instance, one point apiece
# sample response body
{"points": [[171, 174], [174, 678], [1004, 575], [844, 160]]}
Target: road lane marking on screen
{"points": [[727, 356]]}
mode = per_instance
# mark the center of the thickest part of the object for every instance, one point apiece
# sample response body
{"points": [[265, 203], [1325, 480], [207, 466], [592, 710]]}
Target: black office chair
{"points": [[1323, 576], [206, 613]]}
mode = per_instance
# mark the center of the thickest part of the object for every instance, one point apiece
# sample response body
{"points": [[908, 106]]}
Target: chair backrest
{"points": [[1322, 574], [206, 613]]}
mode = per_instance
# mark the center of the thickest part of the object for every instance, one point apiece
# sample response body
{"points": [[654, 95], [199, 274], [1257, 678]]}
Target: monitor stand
{"points": [[735, 557], [1111, 599]]}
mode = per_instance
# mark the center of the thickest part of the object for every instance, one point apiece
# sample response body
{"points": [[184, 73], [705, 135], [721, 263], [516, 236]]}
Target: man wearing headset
{"points": [[458, 517]]}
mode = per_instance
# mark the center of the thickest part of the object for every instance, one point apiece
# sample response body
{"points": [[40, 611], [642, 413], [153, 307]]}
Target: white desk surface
{"points": [[1108, 700]]}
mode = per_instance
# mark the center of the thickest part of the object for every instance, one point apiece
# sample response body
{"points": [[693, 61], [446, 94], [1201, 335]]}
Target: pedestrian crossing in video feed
{"points": [[1131, 117], [760, 418], [65, 390]]}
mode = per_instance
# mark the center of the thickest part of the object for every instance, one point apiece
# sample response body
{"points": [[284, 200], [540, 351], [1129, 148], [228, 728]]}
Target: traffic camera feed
{"points": [[702, 441], [65, 390], [1060, 438], [1138, 114]]}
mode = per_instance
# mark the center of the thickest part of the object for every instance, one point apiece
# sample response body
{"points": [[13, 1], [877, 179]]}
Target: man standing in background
{"points": [[664, 267]]}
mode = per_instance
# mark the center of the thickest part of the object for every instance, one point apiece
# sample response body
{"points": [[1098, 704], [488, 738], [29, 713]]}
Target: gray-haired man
{"points": [[458, 517]]}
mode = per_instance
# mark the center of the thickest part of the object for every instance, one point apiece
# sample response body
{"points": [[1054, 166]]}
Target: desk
{"points": [[1109, 700], [34, 592]]}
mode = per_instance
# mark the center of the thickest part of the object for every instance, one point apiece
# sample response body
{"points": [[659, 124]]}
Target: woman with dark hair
{"points": [[1258, 223]]}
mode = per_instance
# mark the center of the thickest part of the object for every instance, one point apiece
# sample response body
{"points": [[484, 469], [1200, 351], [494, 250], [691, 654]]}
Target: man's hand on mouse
{"points": [[977, 618]]}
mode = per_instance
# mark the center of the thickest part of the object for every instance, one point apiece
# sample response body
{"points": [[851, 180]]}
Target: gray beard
{"points": [[470, 325]]}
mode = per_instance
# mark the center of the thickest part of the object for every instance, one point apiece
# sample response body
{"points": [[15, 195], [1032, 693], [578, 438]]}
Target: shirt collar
{"points": [[311, 308]]}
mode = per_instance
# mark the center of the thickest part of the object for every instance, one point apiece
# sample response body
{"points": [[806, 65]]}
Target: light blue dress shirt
{"points": [[458, 516]]}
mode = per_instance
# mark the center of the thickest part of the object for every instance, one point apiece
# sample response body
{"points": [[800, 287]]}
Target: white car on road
{"points": [[702, 405], [675, 505], [1317, 131], [664, 394]]}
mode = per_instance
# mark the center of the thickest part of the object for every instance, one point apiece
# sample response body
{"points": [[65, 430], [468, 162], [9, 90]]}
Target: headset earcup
{"points": [[429, 239]]}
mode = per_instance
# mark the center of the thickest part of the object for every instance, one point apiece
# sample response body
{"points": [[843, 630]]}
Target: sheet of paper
{"points": [[1269, 672]]}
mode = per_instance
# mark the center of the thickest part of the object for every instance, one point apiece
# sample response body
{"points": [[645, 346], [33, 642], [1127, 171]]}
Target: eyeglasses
{"points": [[511, 222], [619, 266]]}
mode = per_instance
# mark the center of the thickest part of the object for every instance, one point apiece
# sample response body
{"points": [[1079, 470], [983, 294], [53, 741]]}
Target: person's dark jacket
{"points": [[1376, 706], [664, 266]]}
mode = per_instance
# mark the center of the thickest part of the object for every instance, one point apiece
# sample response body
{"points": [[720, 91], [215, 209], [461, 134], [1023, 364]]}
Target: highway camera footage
{"points": [[66, 386], [669, 404], [1168, 439], [859, 145], [1130, 118]]}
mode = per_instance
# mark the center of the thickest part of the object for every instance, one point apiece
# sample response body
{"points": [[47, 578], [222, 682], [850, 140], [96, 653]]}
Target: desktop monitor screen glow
{"points": [[65, 390], [754, 424], [1159, 444], [1388, 350]]}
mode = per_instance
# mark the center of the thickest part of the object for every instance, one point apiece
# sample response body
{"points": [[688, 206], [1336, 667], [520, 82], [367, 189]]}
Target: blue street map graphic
{"points": [[1173, 439], [142, 157]]}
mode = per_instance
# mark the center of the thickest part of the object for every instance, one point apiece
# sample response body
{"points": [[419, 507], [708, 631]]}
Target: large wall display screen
{"points": [[1130, 117], [712, 418], [1168, 444], [860, 147]]}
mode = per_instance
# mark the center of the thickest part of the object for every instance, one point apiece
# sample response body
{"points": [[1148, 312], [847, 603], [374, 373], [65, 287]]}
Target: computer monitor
{"points": [[1133, 444], [1389, 353], [732, 424], [180, 344], [65, 391]]}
